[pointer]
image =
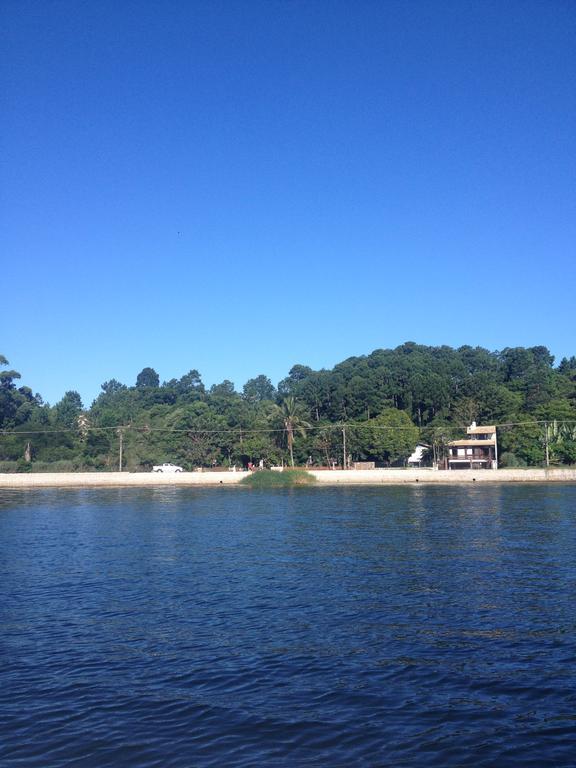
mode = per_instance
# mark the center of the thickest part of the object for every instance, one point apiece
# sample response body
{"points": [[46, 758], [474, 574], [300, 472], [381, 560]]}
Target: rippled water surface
{"points": [[325, 627]]}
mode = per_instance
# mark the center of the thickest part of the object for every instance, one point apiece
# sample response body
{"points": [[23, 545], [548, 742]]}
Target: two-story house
{"points": [[478, 451]]}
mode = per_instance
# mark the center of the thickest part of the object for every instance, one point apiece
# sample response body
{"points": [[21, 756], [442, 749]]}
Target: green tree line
{"points": [[378, 405]]}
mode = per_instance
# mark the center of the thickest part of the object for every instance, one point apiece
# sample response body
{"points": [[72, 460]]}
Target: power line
{"points": [[145, 429]]}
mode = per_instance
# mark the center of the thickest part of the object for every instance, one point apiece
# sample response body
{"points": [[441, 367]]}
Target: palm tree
{"points": [[290, 412]]}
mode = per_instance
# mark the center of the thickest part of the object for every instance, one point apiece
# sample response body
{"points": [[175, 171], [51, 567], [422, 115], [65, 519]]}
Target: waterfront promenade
{"points": [[323, 477]]}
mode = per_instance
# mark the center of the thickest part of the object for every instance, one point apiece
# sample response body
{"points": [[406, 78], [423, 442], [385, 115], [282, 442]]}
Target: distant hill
{"points": [[385, 402]]}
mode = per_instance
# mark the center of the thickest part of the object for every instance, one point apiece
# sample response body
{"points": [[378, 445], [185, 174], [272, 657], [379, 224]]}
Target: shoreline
{"points": [[323, 478]]}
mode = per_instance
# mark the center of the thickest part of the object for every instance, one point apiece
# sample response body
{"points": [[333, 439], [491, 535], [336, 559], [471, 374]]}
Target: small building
{"points": [[415, 459], [478, 451], [364, 465]]}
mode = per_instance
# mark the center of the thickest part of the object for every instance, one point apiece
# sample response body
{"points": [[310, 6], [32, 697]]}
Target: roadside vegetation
{"points": [[378, 405], [267, 478]]}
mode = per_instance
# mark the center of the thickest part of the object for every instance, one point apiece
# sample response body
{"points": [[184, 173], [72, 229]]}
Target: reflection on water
{"points": [[369, 627]]}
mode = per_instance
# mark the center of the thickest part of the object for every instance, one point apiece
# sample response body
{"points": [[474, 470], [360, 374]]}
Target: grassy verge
{"points": [[266, 478]]}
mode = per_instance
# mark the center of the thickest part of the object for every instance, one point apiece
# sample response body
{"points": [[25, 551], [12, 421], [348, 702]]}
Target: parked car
{"points": [[167, 467]]}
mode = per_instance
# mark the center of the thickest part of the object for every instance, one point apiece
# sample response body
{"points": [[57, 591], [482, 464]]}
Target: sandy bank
{"points": [[336, 477]]}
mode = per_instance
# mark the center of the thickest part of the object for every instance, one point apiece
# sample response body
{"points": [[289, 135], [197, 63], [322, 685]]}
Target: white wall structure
{"points": [[417, 456]]}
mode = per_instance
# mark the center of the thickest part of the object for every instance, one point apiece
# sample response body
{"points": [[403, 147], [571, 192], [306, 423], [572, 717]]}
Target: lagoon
{"points": [[328, 626]]}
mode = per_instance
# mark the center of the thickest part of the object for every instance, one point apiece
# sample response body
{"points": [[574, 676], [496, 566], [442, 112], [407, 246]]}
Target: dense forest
{"points": [[373, 407]]}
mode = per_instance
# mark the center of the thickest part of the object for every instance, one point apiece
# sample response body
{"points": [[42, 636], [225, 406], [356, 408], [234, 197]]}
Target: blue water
{"points": [[314, 627]]}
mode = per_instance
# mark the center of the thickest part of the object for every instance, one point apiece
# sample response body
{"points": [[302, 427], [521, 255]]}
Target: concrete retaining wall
{"points": [[99, 479], [336, 477], [402, 476]]}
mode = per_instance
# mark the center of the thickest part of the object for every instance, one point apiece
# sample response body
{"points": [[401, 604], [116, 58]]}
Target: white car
{"points": [[166, 468]]}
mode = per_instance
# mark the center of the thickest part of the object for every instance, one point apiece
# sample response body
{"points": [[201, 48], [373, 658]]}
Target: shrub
{"points": [[53, 466], [8, 466], [510, 460], [266, 478]]}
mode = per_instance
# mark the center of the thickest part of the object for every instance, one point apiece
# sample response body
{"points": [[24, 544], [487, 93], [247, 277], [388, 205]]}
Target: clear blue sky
{"points": [[241, 186]]}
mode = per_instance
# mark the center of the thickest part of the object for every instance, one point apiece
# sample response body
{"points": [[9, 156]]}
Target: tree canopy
{"points": [[147, 378], [389, 399]]}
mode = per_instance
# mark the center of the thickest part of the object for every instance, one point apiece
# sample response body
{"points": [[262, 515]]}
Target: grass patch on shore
{"points": [[266, 478]]}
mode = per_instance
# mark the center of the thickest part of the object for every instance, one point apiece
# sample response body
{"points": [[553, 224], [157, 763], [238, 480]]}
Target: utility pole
{"points": [[546, 444], [344, 460], [121, 433], [496, 446]]}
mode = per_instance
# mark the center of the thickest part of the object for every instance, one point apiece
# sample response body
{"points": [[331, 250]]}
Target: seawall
{"points": [[325, 477], [102, 479], [444, 476]]}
